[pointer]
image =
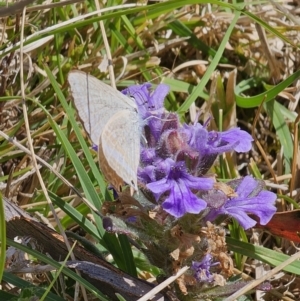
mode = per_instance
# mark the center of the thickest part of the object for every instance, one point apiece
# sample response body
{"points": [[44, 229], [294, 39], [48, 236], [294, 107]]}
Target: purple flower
{"points": [[210, 144], [202, 269], [250, 199], [178, 183]]}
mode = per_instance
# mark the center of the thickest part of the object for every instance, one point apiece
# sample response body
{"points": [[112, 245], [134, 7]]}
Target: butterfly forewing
{"points": [[96, 102]]}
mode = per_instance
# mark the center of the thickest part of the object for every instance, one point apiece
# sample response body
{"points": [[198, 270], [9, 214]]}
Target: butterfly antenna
{"points": [[159, 118]]}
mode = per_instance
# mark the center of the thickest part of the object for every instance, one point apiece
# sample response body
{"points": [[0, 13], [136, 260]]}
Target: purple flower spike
{"points": [[173, 156], [250, 199], [178, 183]]}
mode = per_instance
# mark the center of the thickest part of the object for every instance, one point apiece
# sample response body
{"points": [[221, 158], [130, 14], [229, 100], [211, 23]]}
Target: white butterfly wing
{"points": [[96, 102], [120, 145]]}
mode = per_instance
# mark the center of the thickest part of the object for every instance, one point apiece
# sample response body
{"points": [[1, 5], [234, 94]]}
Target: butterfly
{"points": [[112, 121]]}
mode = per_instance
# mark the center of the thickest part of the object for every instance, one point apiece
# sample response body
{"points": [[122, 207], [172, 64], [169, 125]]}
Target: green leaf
{"points": [[254, 101], [81, 220], [283, 132], [128, 256], [6, 296], [180, 86], [263, 254]]}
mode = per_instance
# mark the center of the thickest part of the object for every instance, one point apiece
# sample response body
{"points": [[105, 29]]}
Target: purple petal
{"points": [[146, 174], [250, 199], [262, 205], [237, 135], [243, 219], [198, 183], [181, 200], [147, 155], [246, 187], [159, 187], [158, 96]]}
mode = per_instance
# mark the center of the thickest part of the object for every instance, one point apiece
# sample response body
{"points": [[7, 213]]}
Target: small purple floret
{"points": [[250, 199], [179, 184], [202, 269]]}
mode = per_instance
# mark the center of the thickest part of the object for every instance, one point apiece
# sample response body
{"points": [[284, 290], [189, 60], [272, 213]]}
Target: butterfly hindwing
{"points": [[120, 142]]}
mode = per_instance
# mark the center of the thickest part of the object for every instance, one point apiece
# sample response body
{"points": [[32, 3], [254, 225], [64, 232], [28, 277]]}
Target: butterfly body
{"points": [[112, 121]]}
